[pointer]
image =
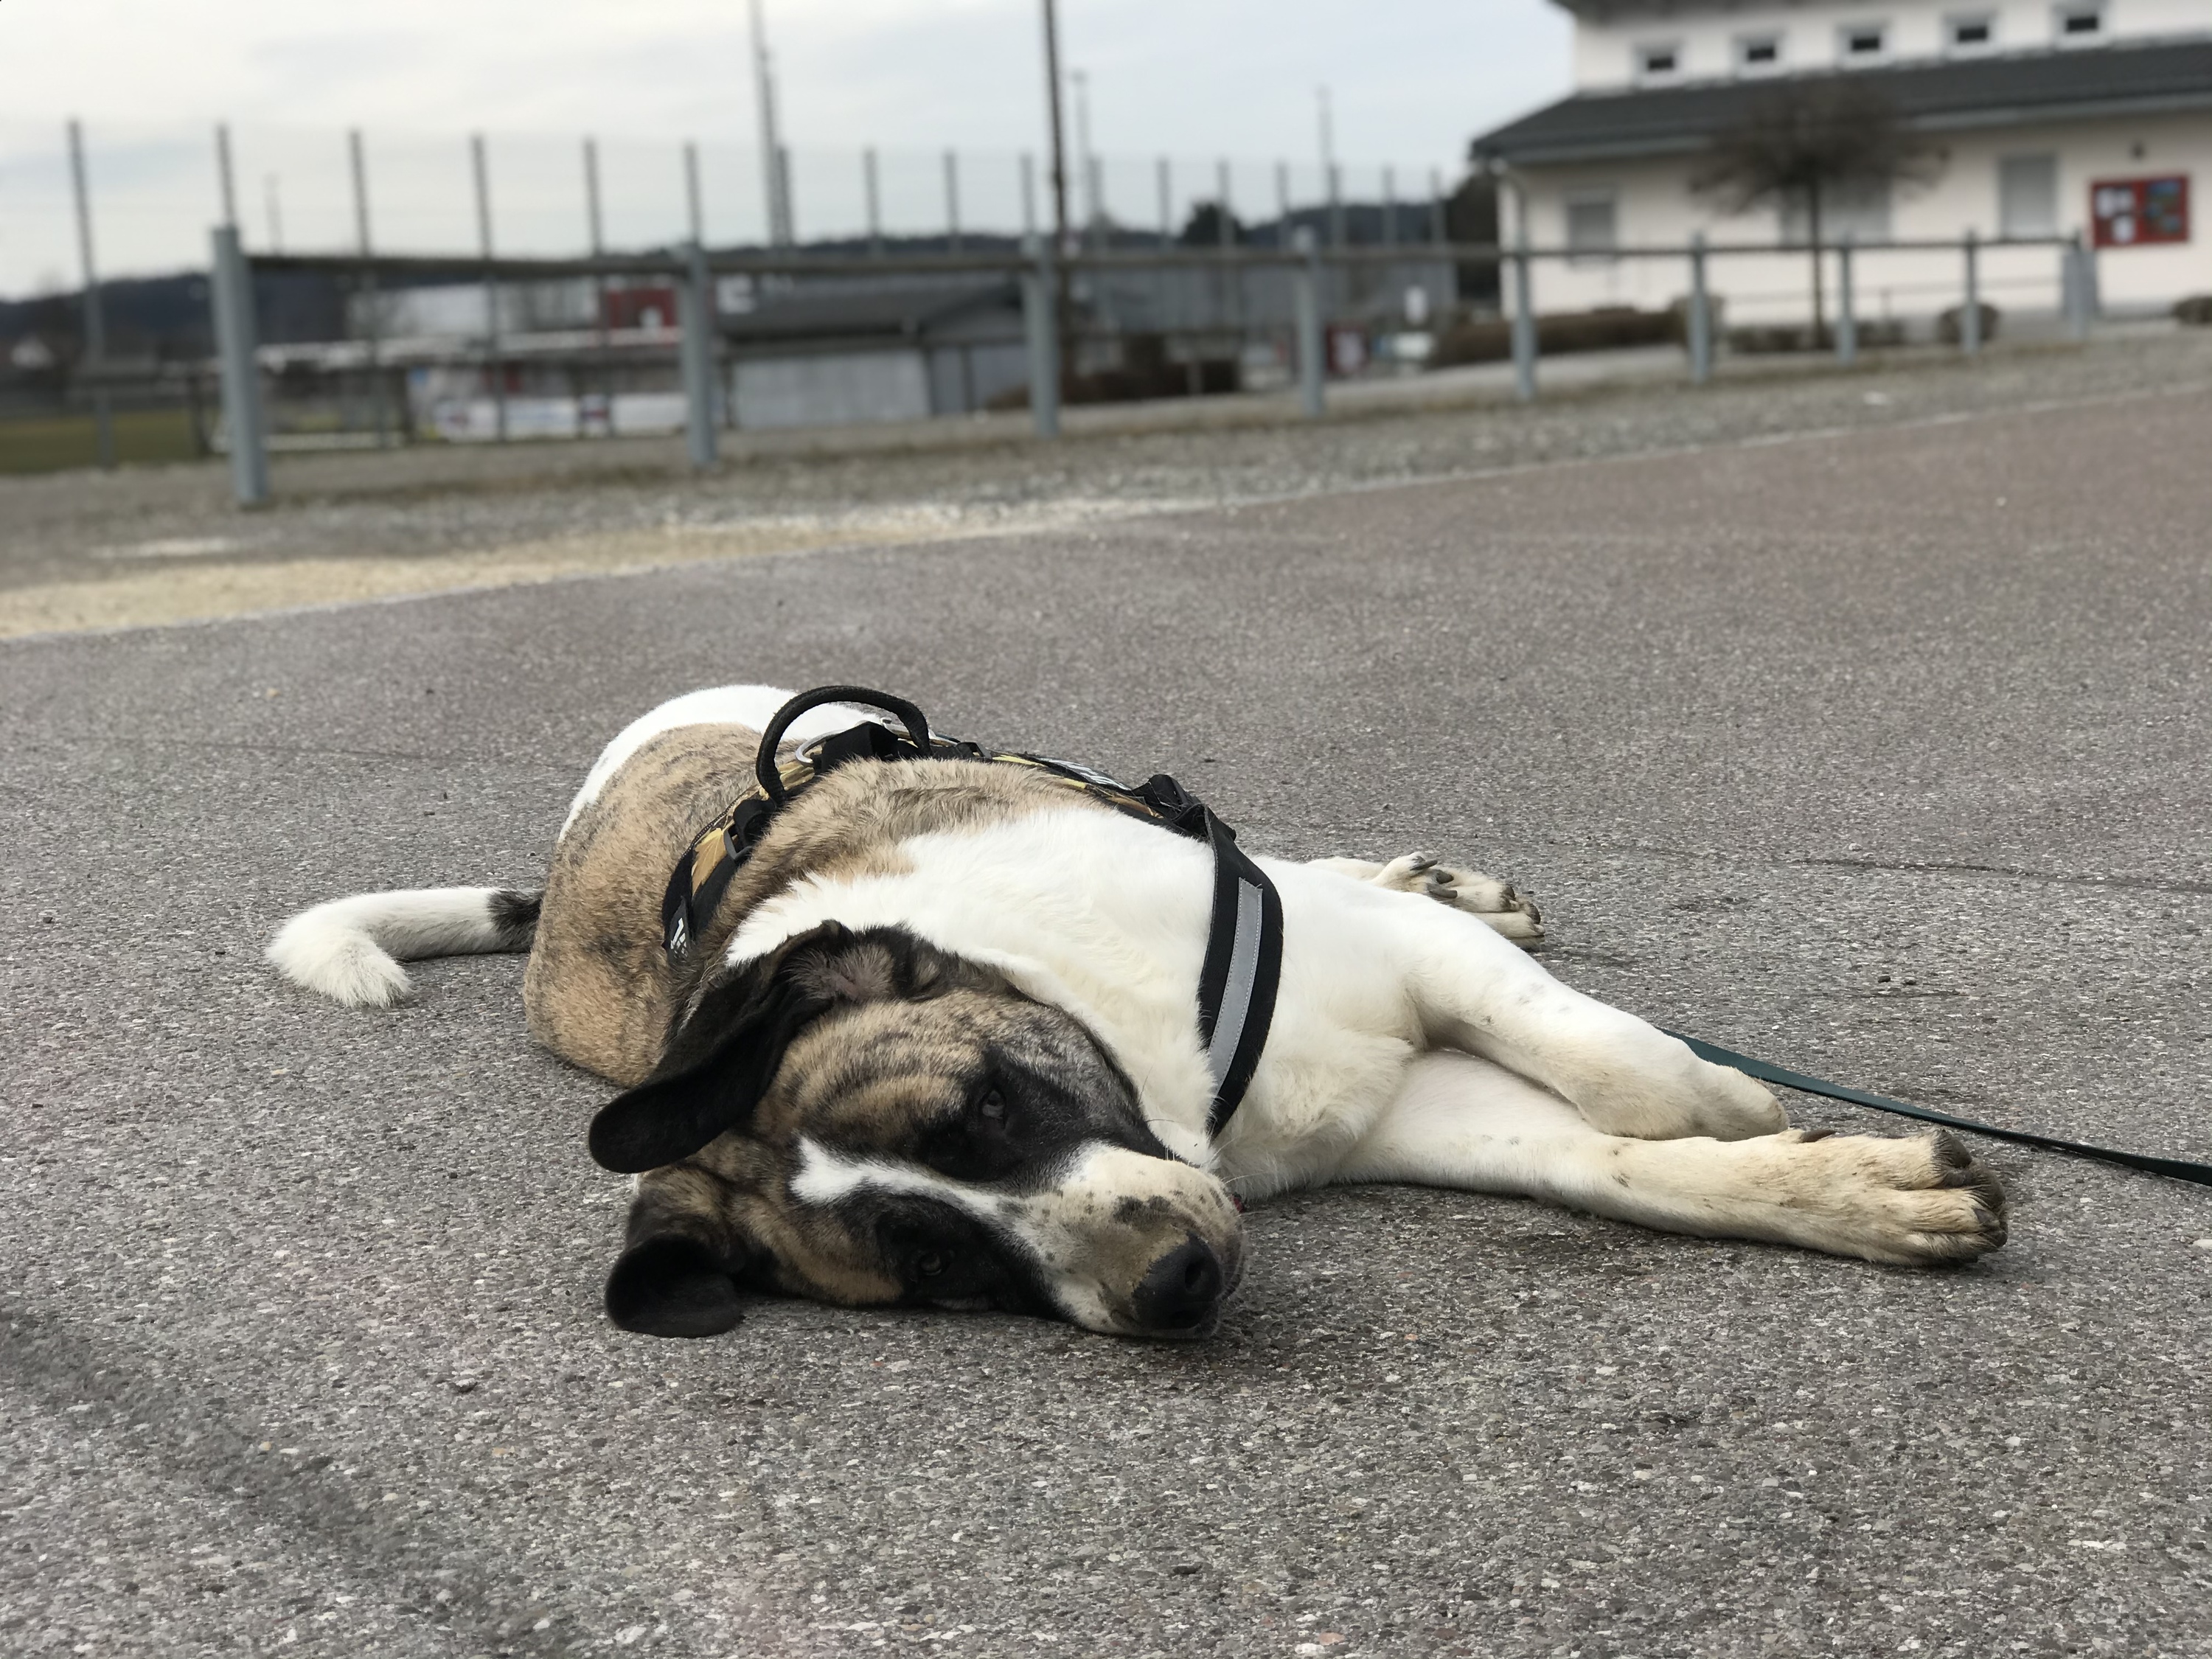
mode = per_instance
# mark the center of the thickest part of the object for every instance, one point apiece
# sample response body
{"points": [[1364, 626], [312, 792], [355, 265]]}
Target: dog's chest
{"points": [[1107, 918]]}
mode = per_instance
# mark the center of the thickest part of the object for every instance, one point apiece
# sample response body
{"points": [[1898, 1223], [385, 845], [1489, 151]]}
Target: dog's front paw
{"points": [[1505, 908]]}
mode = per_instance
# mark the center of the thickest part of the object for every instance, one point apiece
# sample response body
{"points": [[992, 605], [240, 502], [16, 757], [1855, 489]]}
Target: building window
{"points": [[1974, 32], [1756, 54], [2080, 20], [1863, 43], [2028, 196], [1659, 60], [1593, 230]]}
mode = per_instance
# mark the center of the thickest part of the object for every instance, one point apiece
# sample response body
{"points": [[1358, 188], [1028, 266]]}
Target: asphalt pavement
{"points": [[1880, 753]]}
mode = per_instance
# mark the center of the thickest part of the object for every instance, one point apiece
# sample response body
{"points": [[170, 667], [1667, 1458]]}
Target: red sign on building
{"points": [[2131, 212]]}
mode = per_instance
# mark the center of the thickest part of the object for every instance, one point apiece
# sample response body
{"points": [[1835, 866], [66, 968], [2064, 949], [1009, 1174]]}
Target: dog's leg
{"points": [[1463, 1122], [1470, 990], [1501, 906]]}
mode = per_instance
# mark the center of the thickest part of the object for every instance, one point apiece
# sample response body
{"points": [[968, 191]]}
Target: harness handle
{"points": [[764, 765]]}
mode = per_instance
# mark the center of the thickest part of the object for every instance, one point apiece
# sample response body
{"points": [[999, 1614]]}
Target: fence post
{"points": [[1041, 313], [1847, 322], [230, 296], [1305, 281], [1970, 314], [696, 297], [371, 303], [95, 323], [2073, 283], [1524, 323], [1700, 320], [483, 170], [871, 189], [600, 327]]}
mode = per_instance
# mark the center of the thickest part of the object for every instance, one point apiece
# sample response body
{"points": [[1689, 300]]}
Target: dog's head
{"points": [[862, 1119]]}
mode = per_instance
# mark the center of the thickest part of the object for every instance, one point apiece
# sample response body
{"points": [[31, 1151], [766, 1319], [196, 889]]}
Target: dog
{"points": [[935, 1045]]}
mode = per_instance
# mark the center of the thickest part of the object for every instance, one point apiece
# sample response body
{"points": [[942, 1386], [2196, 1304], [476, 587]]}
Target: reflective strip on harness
{"points": [[1244, 965], [1236, 994]]}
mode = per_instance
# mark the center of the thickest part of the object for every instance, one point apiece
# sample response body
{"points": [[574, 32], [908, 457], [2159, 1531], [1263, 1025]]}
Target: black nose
{"points": [[1181, 1289]]}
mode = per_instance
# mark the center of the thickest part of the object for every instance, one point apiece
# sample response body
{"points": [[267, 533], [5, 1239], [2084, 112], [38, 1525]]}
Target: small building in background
{"points": [[574, 358], [2033, 119], [835, 351]]}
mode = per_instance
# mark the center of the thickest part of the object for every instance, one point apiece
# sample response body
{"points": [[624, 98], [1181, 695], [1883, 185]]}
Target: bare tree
{"points": [[1808, 145]]}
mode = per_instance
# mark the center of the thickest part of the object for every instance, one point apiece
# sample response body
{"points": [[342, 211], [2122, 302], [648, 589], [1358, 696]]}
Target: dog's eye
{"points": [[993, 1108], [932, 1263]]}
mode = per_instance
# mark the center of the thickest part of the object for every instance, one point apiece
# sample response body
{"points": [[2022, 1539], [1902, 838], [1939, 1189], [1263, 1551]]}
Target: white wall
{"points": [[1654, 206], [1604, 52], [832, 388]]}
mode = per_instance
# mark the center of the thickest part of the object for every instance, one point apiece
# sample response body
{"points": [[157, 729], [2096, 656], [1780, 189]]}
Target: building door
{"points": [[2028, 196]]}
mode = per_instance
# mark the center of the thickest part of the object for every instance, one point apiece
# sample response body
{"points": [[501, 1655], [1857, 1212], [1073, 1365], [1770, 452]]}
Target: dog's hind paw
{"points": [[1499, 904], [1919, 1202]]}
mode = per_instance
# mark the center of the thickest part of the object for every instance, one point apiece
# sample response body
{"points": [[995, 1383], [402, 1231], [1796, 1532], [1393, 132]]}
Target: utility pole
{"points": [[1059, 141], [775, 171], [95, 326], [223, 175], [1081, 80], [1062, 300]]}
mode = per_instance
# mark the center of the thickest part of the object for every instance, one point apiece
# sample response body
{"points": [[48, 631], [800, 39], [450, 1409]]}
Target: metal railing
{"points": [[1044, 275]]}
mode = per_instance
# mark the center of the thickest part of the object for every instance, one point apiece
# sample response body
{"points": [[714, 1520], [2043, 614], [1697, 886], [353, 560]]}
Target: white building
{"points": [[2040, 118]]}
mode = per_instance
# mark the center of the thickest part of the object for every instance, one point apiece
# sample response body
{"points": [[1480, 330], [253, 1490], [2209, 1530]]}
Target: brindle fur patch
{"points": [[600, 992]]}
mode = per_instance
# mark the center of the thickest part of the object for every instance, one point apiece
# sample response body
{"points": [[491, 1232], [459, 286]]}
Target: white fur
{"points": [[1057, 1225], [350, 949], [1463, 1122], [1106, 917], [752, 706]]}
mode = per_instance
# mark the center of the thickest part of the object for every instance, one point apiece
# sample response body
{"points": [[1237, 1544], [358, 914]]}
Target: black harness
{"points": [[1244, 935]]}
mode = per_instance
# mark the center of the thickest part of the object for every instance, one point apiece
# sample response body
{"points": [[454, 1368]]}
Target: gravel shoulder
{"points": [[150, 545]]}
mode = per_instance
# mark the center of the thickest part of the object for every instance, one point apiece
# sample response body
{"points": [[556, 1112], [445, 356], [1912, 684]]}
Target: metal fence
{"points": [[84, 214], [1293, 291], [144, 194]]}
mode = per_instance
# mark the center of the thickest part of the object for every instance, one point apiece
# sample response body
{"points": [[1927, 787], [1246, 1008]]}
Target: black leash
{"points": [[1766, 1071], [1244, 931]]}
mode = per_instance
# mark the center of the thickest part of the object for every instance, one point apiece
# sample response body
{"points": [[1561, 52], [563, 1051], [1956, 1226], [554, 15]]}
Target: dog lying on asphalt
{"points": [[934, 1044]]}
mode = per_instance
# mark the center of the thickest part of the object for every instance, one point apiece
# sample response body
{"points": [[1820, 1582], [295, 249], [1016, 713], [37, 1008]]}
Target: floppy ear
{"points": [[679, 1270], [722, 1061]]}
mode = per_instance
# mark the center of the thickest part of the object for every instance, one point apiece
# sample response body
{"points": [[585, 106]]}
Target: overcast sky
{"points": [[1411, 80]]}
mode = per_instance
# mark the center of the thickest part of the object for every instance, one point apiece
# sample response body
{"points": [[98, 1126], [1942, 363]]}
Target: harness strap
{"points": [[1244, 929], [2177, 1168], [1243, 963]]}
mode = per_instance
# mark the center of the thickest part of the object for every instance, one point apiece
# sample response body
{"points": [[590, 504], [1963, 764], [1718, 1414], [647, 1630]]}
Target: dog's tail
{"points": [[352, 948]]}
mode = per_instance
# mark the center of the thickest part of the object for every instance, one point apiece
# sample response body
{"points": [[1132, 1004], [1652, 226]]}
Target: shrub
{"points": [[1946, 326], [2196, 310], [1490, 339], [1758, 338]]}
